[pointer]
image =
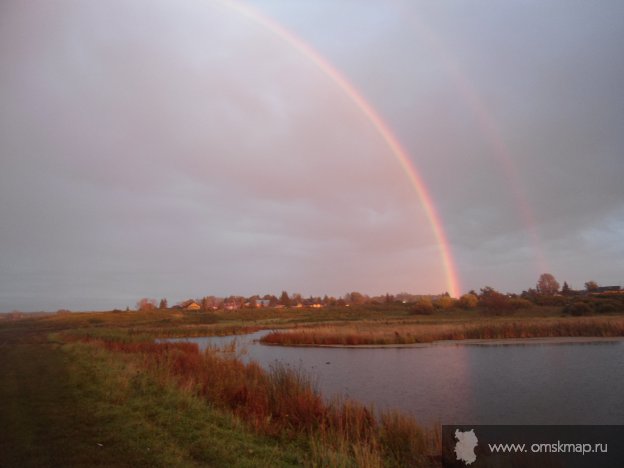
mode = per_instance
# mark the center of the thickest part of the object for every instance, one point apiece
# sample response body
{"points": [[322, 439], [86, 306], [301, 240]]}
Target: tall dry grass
{"points": [[393, 334], [283, 402]]}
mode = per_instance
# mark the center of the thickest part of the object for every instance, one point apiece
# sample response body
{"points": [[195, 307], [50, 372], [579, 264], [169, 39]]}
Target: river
{"points": [[518, 383]]}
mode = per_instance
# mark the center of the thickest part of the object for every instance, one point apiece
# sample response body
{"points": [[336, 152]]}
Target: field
{"points": [[94, 389]]}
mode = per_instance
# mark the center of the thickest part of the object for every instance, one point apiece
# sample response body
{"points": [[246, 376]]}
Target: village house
{"points": [[189, 304], [313, 303]]}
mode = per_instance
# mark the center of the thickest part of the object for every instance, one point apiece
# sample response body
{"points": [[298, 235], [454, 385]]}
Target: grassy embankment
{"points": [[79, 392], [76, 404]]}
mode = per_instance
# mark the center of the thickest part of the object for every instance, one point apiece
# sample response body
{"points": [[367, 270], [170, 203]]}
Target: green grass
{"points": [[79, 405], [280, 403], [82, 400]]}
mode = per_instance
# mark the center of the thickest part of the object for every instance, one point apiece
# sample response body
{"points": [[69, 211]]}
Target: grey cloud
{"points": [[181, 149]]}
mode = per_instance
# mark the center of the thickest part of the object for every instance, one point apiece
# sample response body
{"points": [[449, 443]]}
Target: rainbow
{"points": [[450, 269], [491, 134]]}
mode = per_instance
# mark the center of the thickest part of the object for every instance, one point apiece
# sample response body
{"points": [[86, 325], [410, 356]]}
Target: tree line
{"points": [[547, 291]]}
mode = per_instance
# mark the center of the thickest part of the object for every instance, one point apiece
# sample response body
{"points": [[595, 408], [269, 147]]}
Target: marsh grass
{"points": [[82, 404], [283, 403], [398, 334]]}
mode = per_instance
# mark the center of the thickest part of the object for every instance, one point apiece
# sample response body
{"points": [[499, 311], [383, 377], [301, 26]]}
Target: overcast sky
{"points": [[182, 148]]}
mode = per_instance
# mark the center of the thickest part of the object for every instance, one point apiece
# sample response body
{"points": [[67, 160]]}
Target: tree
{"points": [[253, 301], [296, 299], [163, 304], [565, 289], [530, 295], [207, 302], [591, 286], [146, 304], [284, 299], [547, 285], [355, 298]]}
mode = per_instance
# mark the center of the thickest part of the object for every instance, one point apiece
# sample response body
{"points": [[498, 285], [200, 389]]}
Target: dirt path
{"points": [[46, 418], [37, 411], [62, 406]]}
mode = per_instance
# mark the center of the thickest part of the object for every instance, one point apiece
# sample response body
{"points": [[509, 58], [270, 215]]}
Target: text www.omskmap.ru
{"points": [[558, 447]]}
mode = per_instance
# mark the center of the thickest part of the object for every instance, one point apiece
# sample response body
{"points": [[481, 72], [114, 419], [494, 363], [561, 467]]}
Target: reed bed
{"points": [[187, 331], [283, 402], [400, 334]]}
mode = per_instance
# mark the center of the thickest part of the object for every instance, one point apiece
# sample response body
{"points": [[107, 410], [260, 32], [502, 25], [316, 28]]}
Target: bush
{"points": [[403, 440], [468, 301], [551, 300], [444, 303], [423, 306], [578, 308], [493, 301], [607, 307], [519, 303]]}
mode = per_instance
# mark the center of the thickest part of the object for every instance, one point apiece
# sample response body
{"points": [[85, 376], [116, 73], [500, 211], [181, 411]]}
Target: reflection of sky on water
{"points": [[461, 384]]}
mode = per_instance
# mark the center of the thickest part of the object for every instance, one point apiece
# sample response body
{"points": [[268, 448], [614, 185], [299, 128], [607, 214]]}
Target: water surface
{"points": [[562, 383]]}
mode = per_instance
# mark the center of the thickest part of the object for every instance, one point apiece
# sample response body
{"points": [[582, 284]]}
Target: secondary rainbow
{"points": [[489, 130], [450, 269]]}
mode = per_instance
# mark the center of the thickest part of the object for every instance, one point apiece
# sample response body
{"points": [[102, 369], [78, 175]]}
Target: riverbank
{"points": [[75, 404], [95, 396]]}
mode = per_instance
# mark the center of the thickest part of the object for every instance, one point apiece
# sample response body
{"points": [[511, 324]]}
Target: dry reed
{"points": [[393, 334], [284, 403]]}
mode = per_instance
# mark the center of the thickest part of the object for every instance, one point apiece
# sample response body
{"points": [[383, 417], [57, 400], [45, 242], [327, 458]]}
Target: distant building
{"points": [[189, 305], [313, 303], [608, 289]]}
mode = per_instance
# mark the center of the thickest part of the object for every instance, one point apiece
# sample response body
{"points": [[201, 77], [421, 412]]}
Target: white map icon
{"points": [[466, 443]]}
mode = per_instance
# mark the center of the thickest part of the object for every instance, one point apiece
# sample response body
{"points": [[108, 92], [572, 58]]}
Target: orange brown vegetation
{"points": [[395, 334], [284, 403]]}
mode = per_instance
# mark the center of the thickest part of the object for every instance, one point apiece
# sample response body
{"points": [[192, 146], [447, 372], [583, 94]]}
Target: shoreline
{"points": [[468, 342]]}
